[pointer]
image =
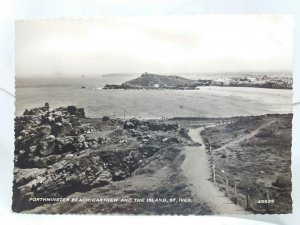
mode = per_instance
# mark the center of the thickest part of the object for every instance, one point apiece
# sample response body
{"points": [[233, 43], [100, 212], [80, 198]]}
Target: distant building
{"points": [[218, 83], [204, 82]]}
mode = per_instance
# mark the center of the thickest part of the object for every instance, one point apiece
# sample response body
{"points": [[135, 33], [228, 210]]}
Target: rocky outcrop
{"points": [[153, 125], [155, 80], [55, 156], [121, 86], [75, 172], [43, 132]]}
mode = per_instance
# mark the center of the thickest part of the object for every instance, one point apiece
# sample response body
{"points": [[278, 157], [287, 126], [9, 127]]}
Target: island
{"points": [[150, 81]]}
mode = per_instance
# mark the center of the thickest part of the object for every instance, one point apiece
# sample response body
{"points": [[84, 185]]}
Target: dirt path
{"points": [[241, 138], [197, 170]]}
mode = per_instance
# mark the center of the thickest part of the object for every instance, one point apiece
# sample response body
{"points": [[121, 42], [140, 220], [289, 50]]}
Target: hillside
{"points": [[153, 80], [255, 153]]}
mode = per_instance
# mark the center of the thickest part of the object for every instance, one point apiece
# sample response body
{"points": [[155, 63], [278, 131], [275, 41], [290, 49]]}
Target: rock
{"points": [[105, 118], [75, 121], [135, 121], [72, 110], [46, 148], [21, 152], [103, 140], [81, 113], [62, 129], [85, 145], [47, 106], [24, 134], [89, 139], [135, 133], [129, 125], [22, 176], [104, 178], [119, 175], [69, 156], [80, 138], [64, 144], [67, 129], [76, 111], [44, 130], [78, 146], [48, 138], [44, 162], [144, 127], [31, 186], [93, 144]]}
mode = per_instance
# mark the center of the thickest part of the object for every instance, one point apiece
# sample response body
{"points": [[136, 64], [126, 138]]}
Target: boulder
{"points": [[93, 145], [80, 138], [73, 110], [81, 113], [104, 178], [105, 118], [69, 156], [23, 176], [47, 106], [129, 125], [62, 129], [85, 145], [78, 146], [65, 144], [46, 147]]}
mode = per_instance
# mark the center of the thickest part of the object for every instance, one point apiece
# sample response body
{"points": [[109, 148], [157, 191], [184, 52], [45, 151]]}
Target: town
{"points": [[154, 81]]}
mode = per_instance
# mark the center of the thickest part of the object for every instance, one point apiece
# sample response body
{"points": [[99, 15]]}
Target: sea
{"points": [[87, 92]]}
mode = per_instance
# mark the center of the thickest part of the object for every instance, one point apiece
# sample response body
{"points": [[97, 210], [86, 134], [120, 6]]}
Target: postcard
{"points": [[154, 115]]}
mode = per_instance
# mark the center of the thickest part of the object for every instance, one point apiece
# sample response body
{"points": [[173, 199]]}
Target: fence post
{"points": [[214, 173], [227, 187], [248, 196], [268, 198], [235, 198]]}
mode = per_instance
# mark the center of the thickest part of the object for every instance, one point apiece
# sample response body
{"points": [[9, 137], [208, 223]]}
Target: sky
{"points": [[157, 44]]}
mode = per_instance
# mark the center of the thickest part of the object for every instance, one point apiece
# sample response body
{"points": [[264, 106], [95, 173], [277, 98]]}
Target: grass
{"points": [[260, 163]]}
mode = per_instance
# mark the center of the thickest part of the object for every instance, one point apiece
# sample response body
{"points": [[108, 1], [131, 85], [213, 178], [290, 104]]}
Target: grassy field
{"points": [[254, 153]]}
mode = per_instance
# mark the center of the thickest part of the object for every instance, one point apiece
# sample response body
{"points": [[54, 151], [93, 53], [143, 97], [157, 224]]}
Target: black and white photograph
{"points": [[154, 115]]}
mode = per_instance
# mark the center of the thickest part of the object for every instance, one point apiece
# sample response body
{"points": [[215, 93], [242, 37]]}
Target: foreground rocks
{"points": [[42, 132], [59, 152]]}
